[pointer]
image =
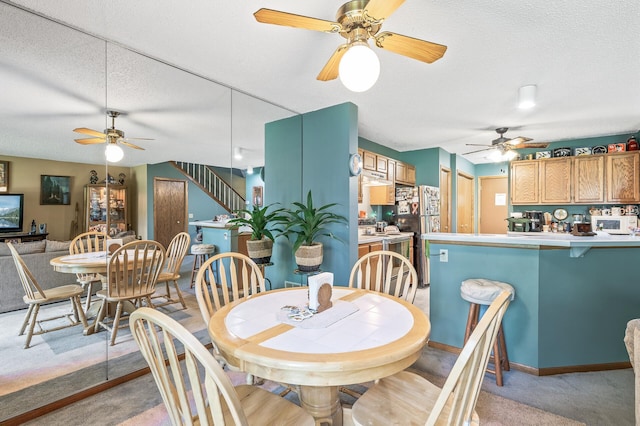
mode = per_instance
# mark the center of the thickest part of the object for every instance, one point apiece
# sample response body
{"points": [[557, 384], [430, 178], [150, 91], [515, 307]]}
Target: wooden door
{"points": [[169, 209], [445, 200], [465, 200], [493, 209]]}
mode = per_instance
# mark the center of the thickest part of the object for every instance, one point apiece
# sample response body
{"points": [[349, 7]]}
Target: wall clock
{"points": [[355, 164]]}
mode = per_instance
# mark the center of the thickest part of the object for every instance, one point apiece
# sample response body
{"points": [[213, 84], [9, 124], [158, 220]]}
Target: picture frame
{"points": [[4, 176], [543, 154], [257, 197], [55, 190]]}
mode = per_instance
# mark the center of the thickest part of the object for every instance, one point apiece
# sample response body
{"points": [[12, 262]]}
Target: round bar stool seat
{"points": [[201, 252], [478, 292]]}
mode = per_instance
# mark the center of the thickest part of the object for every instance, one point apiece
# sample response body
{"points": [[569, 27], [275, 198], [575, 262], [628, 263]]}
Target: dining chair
{"points": [[386, 272], [132, 274], [238, 276], [408, 398], [197, 390], [34, 296], [176, 251], [88, 242]]}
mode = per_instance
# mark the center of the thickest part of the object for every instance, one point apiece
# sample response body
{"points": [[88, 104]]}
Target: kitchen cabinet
{"points": [[381, 164], [555, 181], [369, 161], [405, 173], [383, 195], [411, 174], [622, 177], [106, 208], [367, 248], [524, 183], [588, 179]]}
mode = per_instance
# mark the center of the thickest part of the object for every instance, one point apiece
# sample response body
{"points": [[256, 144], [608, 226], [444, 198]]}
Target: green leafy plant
{"points": [[307, 223], [262, 223]]}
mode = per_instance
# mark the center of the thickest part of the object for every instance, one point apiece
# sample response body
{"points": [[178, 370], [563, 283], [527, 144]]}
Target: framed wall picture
{"points": [[257, 196], [4, 176], [55, 190]]}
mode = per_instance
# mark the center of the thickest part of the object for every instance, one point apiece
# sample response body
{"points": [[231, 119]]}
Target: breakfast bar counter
{"points": [[574, 295]]}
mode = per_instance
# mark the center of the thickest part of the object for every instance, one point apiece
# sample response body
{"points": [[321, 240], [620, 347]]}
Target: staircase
{"points": [[212, 184]]}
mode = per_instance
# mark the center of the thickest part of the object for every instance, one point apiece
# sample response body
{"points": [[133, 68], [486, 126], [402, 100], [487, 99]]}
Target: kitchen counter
{"points": [[381, 238], [574, 295], [209, 224]]}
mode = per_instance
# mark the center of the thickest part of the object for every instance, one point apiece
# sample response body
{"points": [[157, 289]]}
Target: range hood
{"points": [[371, 178]]}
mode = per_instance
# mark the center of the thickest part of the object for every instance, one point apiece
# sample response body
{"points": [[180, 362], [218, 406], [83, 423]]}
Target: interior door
{"points": [[465, 202], [445, 200], [493, 208], [169, 209]]}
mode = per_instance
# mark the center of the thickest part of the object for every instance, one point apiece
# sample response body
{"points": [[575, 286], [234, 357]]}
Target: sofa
{"points": [[36, 255]]}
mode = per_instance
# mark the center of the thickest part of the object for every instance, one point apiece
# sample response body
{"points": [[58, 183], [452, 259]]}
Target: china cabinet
{"points": [[106, 208]]}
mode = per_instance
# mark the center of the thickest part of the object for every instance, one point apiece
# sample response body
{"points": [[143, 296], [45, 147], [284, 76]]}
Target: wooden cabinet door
{"points": [[362, 250], [555, 181], [525, 182], [391, 171], [622, 174], [411, 174], [369, 160], [381, 195], [381, 164], [401, 172], [588, 179]]}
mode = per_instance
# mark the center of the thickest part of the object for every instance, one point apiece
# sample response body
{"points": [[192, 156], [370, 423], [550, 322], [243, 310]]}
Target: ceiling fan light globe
{"points": [[113, 153], [359, 68]]}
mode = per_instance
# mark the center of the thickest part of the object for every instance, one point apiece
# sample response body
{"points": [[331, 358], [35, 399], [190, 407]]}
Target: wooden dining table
{"points": [[365, 336]]}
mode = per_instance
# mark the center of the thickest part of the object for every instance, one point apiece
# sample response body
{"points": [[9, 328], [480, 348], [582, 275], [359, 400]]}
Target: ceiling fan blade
{"points": [[330, 70], [138, 139], [480, 144], [518, 140], [276, 17], [421, 50], [130, 145], [381, 9], [90, 132], [479, 150], [89, 141], [531, 145]]}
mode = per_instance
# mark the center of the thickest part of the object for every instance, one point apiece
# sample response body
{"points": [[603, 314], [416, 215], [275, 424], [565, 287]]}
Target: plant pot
{"points": [[309, 258], [260, 250]]}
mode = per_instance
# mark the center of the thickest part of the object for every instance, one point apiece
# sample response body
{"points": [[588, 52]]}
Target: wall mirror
{"points": [[67, 79]]}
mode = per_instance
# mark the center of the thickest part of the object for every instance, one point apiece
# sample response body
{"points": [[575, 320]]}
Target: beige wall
{"points": [[24, 177]]}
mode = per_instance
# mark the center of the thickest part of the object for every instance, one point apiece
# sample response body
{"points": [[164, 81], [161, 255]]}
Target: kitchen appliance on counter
{"points": [[380, 226], [418, 211], [614, 224], [536, 220]]}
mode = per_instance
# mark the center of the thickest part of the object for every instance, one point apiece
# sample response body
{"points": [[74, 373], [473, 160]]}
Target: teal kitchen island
{"points": [[574, 295]]}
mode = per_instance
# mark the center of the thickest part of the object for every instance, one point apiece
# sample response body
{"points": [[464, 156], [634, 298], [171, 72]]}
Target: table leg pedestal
{"points": [[323, 403]]}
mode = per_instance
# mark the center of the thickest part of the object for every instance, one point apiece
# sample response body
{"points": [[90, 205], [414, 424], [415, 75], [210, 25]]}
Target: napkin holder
{"points": [[320, 291]]}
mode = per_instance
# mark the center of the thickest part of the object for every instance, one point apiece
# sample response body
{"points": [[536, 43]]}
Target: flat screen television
{"points": [[11, 212]]}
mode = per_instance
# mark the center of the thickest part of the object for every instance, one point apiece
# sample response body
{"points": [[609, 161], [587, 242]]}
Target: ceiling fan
{"points": [[504, 144], [357, 21], [110, 135]]}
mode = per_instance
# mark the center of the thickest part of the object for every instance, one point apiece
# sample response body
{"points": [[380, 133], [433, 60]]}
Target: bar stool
{"points": [[481, 291], [201, 252]]}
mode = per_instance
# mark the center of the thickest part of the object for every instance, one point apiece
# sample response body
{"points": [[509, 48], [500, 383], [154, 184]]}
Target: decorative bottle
{"points": [[632, 144], [33, 226]]}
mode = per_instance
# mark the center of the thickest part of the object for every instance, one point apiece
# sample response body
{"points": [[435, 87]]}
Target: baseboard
{"points": [[546, 371]]}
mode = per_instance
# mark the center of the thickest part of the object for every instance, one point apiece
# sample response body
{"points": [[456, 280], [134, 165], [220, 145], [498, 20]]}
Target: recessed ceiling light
{"points": [[527, 97]]}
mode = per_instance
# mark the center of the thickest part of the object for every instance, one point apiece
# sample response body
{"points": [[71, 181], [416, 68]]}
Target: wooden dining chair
{"points": [[386, 272], [35, 296], [176, 251], [88, 242], [238, 276], [407, 398], [132, 274], [197, 390]]}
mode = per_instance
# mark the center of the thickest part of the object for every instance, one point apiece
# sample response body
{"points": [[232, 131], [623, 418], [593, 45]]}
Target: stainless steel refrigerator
{"points": [[418, 211]]}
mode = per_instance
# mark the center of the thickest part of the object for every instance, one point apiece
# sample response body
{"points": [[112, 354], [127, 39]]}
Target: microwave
{"points": [[614, 224]]}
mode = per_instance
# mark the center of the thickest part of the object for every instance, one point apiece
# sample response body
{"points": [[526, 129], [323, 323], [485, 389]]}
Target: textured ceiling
{"points": [[583, 56]]}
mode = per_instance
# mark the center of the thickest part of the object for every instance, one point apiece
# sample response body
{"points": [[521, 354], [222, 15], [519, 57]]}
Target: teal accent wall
{"points": [[368, 145], [311, 152], [427, 162]]}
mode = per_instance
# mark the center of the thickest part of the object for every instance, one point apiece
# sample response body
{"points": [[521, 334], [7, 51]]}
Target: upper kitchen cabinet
{"points": [[623, 177], [369, 161], [405, 173], [525, 187], [382, 164], [588, 179], [555, 181]]}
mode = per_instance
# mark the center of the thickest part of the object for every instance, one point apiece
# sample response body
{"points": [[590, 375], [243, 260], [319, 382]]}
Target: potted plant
{"points": [[263, 232], [306, 224]]}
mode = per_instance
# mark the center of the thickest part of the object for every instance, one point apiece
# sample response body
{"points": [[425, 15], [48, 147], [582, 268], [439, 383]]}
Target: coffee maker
{"points": [[537, 220]]}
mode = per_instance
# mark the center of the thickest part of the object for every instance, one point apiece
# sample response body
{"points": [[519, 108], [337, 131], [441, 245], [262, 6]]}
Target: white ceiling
{"points": [[583, 56]]}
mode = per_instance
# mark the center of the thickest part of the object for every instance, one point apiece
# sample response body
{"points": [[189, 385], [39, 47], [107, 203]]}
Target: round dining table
{"points": [[365, 336]]}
